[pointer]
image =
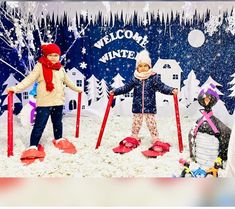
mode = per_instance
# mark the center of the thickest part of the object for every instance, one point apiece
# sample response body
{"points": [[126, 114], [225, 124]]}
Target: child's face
{"points": [[142, 67], [54, 58]]}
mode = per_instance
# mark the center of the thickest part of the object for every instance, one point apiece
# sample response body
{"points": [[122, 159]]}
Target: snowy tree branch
{"points": [[12, 67]]}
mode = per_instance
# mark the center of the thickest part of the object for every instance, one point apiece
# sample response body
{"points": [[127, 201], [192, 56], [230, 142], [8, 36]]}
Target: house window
{"points": [[72, 105], [166, 66], [130, 94], [83, 107], [175, 77], [79, 83], [73, 73], [25, 95], [166, 101]]}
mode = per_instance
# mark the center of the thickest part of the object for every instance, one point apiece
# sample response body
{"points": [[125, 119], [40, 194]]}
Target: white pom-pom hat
{"points": [[143, 57]]}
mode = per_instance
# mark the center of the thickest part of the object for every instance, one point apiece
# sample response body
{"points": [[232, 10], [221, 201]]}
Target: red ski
{"points": [[157, 149], [126, 145]]}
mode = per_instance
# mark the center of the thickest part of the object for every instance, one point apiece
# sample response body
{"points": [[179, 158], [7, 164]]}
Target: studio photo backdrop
{"points": [[191, 46]]}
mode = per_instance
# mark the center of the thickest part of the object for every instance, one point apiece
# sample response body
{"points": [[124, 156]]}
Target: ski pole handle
{"points": [[78, 114], [177, 117], [104, 120], [10, 124]]}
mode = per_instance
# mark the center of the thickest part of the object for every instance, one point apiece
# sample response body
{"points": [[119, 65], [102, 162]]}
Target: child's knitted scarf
{"points": [[47, 67], [143, 75]]}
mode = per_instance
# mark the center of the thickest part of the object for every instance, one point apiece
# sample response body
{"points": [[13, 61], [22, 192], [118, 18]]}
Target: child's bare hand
{"points": [[175, 91], [80, 91], [111, 93]]}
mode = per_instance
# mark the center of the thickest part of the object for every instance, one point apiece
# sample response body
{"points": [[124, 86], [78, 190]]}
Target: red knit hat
{"points": [[49, 49]]}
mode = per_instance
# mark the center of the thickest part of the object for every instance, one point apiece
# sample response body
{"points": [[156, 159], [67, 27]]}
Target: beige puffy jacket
{"points": [[46, 98]]}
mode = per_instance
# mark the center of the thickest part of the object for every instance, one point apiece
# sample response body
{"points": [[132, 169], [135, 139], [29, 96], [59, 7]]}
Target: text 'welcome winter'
{"points": [[121, 53]]}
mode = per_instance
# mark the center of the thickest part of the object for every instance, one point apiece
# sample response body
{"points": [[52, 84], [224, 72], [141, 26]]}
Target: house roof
{"points": [[163, 64], [70, 71]]}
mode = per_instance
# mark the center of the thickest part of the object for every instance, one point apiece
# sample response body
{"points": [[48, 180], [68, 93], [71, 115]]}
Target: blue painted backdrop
{"points": [[167, 39]]}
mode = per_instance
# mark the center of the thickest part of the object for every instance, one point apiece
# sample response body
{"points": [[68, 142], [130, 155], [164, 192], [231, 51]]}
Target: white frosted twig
{"points": [[9, 18], [12, 67], [6, 42], [55, 35], [82, 31], [6, 33]]}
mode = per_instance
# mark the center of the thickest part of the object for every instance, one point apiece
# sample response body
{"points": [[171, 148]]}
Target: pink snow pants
{"points": [[150, 121]]}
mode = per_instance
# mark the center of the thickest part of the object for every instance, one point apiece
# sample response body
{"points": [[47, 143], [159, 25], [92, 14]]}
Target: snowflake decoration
{"points": [[159, 31], [145, 22], [212, 25], [83, 65], [83, 50]]}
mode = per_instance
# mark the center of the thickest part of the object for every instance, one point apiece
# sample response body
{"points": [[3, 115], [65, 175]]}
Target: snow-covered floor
{"points": [[91, 162]]}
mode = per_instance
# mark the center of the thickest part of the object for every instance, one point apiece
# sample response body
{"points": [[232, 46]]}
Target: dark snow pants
{"points": [[42, 116]]}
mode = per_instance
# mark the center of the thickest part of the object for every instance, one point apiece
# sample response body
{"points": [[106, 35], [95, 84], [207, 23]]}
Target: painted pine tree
{"points": [[11, 81], [209, 81], [232, 82], [190, 90], [118, 82], [93, 89]]}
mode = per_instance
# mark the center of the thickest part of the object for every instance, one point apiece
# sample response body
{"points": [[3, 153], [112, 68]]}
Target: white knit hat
{"points": [[143, 57]]}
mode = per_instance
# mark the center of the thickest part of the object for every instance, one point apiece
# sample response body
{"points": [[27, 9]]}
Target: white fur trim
{"points": [[32, 147], [143, 75], [58, 140]]}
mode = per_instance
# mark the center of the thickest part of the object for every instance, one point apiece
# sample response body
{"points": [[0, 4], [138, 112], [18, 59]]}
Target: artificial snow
{"points": [[101, 162]]}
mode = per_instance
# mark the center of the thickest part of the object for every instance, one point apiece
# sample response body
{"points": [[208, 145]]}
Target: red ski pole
{"points": [[10, 124], [104, 120], [78, 114], [177, 117]]}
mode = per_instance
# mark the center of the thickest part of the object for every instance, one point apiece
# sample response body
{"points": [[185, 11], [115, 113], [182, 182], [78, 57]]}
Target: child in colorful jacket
{"points": [[51, 77], [145, 83]]}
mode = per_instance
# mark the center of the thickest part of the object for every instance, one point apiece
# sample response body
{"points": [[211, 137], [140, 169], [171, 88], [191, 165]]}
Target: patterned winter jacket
{"points": [[144, 97]]}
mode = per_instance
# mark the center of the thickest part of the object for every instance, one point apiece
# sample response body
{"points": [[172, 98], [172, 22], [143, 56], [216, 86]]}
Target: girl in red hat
{"points": [[51, 77]]}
